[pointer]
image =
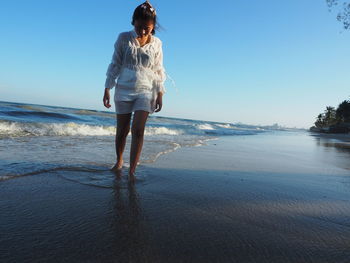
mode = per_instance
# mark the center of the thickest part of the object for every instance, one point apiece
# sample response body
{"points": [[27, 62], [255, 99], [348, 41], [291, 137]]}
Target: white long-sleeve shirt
{"points": [[138, 70]]}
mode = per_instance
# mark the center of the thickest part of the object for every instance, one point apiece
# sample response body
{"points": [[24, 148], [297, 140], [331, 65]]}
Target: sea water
{"points": [[37, 139]]}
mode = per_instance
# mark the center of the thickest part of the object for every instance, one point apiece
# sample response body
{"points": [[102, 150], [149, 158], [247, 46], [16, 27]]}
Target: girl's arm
{"points": [[160, 71], [114, 67]]}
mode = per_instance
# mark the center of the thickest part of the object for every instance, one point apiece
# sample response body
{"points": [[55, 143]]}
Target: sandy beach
{"points": [[280, 197]]}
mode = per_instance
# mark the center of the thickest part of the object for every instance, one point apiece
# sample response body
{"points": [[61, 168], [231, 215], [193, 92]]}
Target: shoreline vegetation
{"points": [[334, 120]]}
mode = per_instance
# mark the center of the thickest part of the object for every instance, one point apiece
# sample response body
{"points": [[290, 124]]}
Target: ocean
{"points": [[37, 139]]}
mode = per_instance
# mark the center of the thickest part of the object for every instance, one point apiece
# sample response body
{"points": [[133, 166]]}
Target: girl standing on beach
{"points": [[137, 64]]}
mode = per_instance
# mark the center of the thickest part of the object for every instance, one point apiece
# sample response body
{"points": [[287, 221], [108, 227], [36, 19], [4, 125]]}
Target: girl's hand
{"points": [[106, 99], [159, 102]]}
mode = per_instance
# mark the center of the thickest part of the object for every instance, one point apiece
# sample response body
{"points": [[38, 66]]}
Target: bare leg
{"points": [[123, 128], [137, 132]]}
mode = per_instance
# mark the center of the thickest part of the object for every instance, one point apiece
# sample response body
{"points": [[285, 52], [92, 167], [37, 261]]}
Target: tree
{"points": [[343, 112], [319, 121], [343, 9], [329, 116], [335, 120]]}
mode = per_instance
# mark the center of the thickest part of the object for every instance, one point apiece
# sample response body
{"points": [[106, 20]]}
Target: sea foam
{"points": [[16, 129]]}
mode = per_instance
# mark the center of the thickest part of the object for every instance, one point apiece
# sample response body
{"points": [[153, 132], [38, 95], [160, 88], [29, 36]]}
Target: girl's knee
{"points": [[123, 132], [137, 132]]}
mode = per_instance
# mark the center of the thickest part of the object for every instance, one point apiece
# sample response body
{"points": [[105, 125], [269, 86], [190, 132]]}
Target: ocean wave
{"points": [[41, 114], [205, 126], [224, 129], [94, 113], [17, 129], [28, 107], [232, 132], [226, 125], [162, 130]]}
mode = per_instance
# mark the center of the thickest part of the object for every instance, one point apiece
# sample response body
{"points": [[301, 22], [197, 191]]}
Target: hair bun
{"points": [[148, 5]]}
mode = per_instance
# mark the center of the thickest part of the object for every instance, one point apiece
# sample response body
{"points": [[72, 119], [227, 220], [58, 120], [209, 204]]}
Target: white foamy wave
{"points": [[162, 131], [223, 129], [16, 129], [205, 126], [231, 132], [52, 129], [174, 147], [227, 126]]}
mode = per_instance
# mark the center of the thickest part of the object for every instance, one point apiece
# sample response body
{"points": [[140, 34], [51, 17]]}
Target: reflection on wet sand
{"points": [[340, 148], [338, 145], [131, 239]]}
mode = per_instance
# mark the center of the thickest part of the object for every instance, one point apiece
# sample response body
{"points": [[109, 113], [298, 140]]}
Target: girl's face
{"points": [[143, 27]]}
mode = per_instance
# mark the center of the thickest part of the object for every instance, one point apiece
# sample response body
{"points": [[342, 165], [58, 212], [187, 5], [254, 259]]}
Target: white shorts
{"points": [[146, 104]]}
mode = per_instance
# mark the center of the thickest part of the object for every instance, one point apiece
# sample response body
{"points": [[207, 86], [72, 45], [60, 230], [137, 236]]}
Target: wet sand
{"points": [[262, 198], [344, 137]]}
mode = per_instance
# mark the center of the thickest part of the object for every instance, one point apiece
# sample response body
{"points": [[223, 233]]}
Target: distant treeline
{"points": [[335, 120]]}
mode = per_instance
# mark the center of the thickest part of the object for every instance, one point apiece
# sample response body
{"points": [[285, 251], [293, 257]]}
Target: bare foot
{"points": [[118, 165]]}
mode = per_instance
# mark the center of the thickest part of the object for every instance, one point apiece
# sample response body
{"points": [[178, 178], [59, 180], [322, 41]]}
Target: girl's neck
{"points": [[143, 40]]}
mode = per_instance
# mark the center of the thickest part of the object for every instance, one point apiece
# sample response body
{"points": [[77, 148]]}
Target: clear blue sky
{"points": [[256, 62]]}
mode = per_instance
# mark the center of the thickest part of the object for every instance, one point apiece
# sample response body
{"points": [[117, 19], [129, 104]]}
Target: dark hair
{"points": [[145, 11]]}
